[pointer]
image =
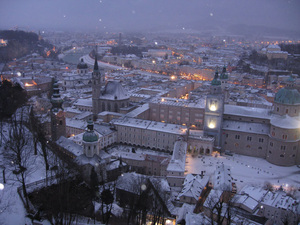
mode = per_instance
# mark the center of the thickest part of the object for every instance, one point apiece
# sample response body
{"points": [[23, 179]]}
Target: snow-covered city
{"points": [[156, 123]]}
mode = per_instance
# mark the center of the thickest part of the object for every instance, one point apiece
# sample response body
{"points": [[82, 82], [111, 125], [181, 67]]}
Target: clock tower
{"points": [[214, 109]]}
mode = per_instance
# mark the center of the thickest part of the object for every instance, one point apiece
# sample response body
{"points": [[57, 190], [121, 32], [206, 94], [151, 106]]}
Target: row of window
{"points": [[229, 117], [249, 138], [286, 110]]}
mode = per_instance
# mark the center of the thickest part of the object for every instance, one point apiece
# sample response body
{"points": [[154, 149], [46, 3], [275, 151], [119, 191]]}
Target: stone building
{"points": [[107, 97], [270, 134]]}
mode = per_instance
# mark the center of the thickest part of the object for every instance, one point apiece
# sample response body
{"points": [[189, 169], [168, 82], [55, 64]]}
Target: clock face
{"points": [[60, 114]]}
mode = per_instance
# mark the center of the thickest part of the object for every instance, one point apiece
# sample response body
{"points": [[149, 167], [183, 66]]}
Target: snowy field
{"points": [[247, 170]]}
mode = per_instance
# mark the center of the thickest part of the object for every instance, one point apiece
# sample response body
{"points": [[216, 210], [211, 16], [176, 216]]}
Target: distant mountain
{"points": [[257, 30], [212, 25], [20, 43]]}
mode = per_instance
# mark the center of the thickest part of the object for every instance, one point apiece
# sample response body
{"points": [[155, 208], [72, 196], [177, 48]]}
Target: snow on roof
{"points": [[257, 193], [114, 91], [72, 110], [79, 124], [103, 129], [247, 111], [198, 134], [177, 162], [70, 146], [193, 186], [114, 165], [151, 125], [247, 201], [83, 115], [131, 182], [132, 122], [94, 161], [285, 121], [167, 127], [130, 155], [248, 127], [279, 199], [134, 113], [212, 198], [200, 103], [84, 102], [222, 178], [185, 208]]}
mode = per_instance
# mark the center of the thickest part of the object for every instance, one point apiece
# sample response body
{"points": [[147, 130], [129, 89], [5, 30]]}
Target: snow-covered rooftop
{"points": [[193, 186], [246, 111], [70, 146], [222, 178], [177, 162], [151, 125], [257, 128]]}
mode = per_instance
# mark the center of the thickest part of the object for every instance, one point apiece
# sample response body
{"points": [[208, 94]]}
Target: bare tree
{"points": [[38, 136], [107, 199], [18, 152], [218, 209]]}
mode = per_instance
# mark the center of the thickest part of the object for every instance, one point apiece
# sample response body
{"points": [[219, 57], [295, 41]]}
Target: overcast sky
{"points": [[145, 14]]}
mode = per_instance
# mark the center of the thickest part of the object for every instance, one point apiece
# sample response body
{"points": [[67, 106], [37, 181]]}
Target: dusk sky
{"points": [[146, 14]]}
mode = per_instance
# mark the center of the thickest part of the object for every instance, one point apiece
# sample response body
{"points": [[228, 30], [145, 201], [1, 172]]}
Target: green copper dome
{"points": [[287, 96], [216, 80], [224, 74], [90, 135]]}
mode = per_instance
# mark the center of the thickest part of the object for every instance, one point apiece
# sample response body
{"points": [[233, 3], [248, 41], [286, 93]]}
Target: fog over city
{"points": [[155, 15]]}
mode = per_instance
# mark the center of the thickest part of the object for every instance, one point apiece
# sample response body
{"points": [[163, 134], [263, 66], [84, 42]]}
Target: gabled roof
{"points": [[193, 186]]}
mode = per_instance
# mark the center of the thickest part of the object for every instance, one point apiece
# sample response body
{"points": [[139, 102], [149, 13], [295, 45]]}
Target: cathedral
{"points": [[107, 96]]}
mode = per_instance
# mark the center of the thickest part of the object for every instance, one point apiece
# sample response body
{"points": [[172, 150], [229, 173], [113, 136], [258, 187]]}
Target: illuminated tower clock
{"points": [[214, 109]]}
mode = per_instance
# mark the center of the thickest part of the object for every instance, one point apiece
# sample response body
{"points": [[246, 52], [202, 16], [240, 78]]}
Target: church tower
{"points": [[98, 80], [214, 109], [58, 120]]}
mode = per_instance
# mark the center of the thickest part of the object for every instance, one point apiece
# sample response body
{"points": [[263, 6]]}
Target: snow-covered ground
{"points": [[12, 210], [247, 170]]}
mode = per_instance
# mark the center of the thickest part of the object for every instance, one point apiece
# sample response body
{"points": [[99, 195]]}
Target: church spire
{"points": [[96, 67]]}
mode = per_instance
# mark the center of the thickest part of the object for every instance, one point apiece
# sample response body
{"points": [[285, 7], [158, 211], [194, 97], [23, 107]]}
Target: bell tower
{"points": [[58, 120], [214, 109]]}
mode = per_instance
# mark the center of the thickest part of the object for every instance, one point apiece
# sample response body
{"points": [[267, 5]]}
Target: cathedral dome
{"points": [[90, 135], [287, 96], [82, 65]]}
